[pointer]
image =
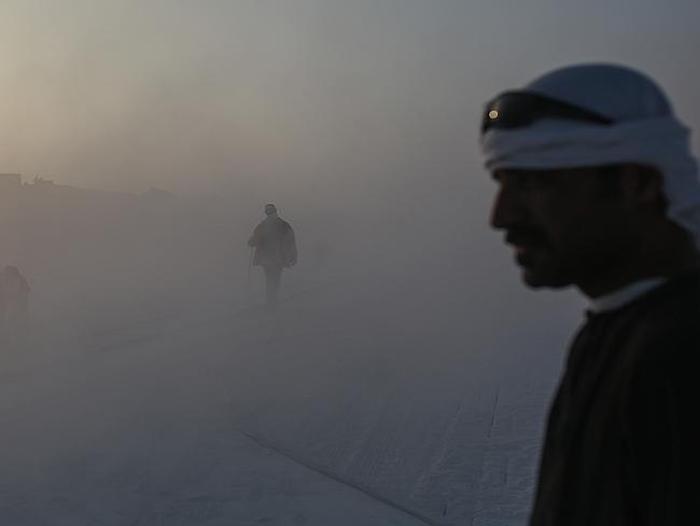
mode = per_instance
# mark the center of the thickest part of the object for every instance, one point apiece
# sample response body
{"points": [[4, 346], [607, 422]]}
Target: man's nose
{"points": [[508, 209]]}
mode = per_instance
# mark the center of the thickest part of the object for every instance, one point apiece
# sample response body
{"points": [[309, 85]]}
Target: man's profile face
{"points": [[562, 224]]}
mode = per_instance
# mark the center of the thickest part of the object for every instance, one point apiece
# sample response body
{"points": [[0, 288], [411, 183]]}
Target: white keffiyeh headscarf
{"points": [[645, 131]]}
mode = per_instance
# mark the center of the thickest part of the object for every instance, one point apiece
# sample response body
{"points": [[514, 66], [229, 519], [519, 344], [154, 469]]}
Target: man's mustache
{"points": [[526, 236]]}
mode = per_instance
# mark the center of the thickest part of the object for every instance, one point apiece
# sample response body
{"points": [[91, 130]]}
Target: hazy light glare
{"points": [[127, 95]]}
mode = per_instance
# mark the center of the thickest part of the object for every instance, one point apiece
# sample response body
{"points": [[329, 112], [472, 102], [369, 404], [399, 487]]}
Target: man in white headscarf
{"points": [[598, 189]]}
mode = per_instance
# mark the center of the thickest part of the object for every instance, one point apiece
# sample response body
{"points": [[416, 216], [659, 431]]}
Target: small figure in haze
{"points": [[598, 189], [275, 250], [14, 297]]}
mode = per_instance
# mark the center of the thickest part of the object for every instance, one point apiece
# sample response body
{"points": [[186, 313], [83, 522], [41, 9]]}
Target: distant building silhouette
{"points": [[154, 194], [38, 181]]}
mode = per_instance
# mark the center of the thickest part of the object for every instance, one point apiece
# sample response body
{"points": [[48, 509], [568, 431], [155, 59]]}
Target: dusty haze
{"points": [[359, 120]]}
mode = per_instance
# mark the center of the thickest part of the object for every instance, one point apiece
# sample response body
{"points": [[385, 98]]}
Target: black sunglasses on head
{"points": [[516, 109]]}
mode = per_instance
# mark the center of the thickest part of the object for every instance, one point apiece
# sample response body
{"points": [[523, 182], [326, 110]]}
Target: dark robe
{"points": [[618, 442]]}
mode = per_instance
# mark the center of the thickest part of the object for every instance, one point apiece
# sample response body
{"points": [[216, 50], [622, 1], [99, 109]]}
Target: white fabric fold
{"points": [[663, 143], [624, 296]]}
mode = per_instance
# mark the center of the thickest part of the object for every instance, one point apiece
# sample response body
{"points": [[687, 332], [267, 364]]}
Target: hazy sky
{"points": [[343, 93]]}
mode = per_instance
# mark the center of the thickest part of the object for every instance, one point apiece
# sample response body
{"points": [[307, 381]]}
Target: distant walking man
{"points": [[275, 250], [14, 297], [597, 188]]}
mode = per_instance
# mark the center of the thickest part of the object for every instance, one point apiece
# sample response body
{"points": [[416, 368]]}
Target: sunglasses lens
{"points": [[518, 109], [507, 111]]}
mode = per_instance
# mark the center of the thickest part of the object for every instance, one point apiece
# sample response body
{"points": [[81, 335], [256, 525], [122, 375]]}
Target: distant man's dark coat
{"points": [[619, 450], [275, 244]]}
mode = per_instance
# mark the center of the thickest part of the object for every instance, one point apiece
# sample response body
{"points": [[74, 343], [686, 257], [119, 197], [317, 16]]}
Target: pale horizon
{"points": [[126, 95]]}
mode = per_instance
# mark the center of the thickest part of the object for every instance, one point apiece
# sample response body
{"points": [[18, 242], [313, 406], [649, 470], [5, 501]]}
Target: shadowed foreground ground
{"points": [[236, 417]]}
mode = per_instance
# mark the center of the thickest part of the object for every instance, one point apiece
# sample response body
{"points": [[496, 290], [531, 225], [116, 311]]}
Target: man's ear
{"points": [[643, 185]]}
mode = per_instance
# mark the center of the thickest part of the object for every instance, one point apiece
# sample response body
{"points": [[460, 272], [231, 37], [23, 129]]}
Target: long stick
{"points": [[250, 266]]}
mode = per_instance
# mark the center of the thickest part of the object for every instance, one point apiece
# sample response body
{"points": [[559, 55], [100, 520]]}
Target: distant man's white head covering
{"points": [[644, 131]]}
